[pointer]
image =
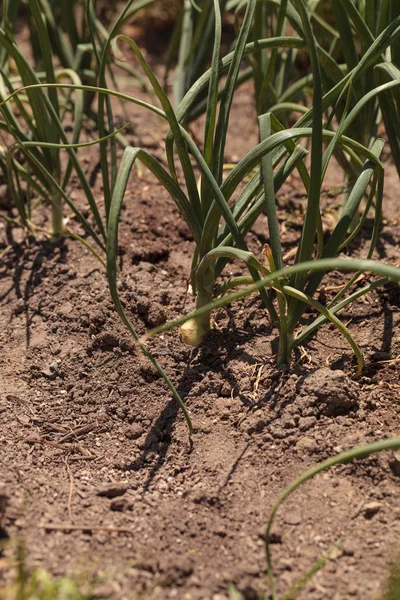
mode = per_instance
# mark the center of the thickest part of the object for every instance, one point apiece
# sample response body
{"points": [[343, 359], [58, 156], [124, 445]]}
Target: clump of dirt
{"points": [[331, 392]]}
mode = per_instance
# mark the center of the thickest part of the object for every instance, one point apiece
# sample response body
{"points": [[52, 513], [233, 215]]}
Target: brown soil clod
{"points": [[112, 490]]}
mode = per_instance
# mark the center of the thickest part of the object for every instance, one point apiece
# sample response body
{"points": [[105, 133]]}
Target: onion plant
{"points": [[36, 123], [224, 226], [220, 212], [277, 81], [389, 103], [275, 76], [354, 28], [192, 41], [342, 458], [67, 34], [34, 112], [218, 229], [75, 32]]}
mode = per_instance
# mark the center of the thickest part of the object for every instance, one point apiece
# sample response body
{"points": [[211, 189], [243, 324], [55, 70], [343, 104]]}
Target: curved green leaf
{"points": [[343, 457]]}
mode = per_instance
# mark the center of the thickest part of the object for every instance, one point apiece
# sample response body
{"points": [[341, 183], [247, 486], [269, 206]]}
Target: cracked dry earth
{"points": [[97, 472]]}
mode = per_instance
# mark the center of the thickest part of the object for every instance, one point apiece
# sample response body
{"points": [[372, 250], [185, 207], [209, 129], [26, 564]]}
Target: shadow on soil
{"points": [[214, 358], [30, 262]]}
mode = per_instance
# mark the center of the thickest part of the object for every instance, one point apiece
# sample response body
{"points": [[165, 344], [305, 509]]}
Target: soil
{"points": [[98, 475]]}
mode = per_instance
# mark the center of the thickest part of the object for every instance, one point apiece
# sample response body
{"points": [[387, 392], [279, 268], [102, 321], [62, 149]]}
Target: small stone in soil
{"points": [[292, 519], [121, 504], [111, 490], [49, 372], [306, 444], [349, 548], [306, 423], [19, 307], [134, 431], [371, 509]]}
